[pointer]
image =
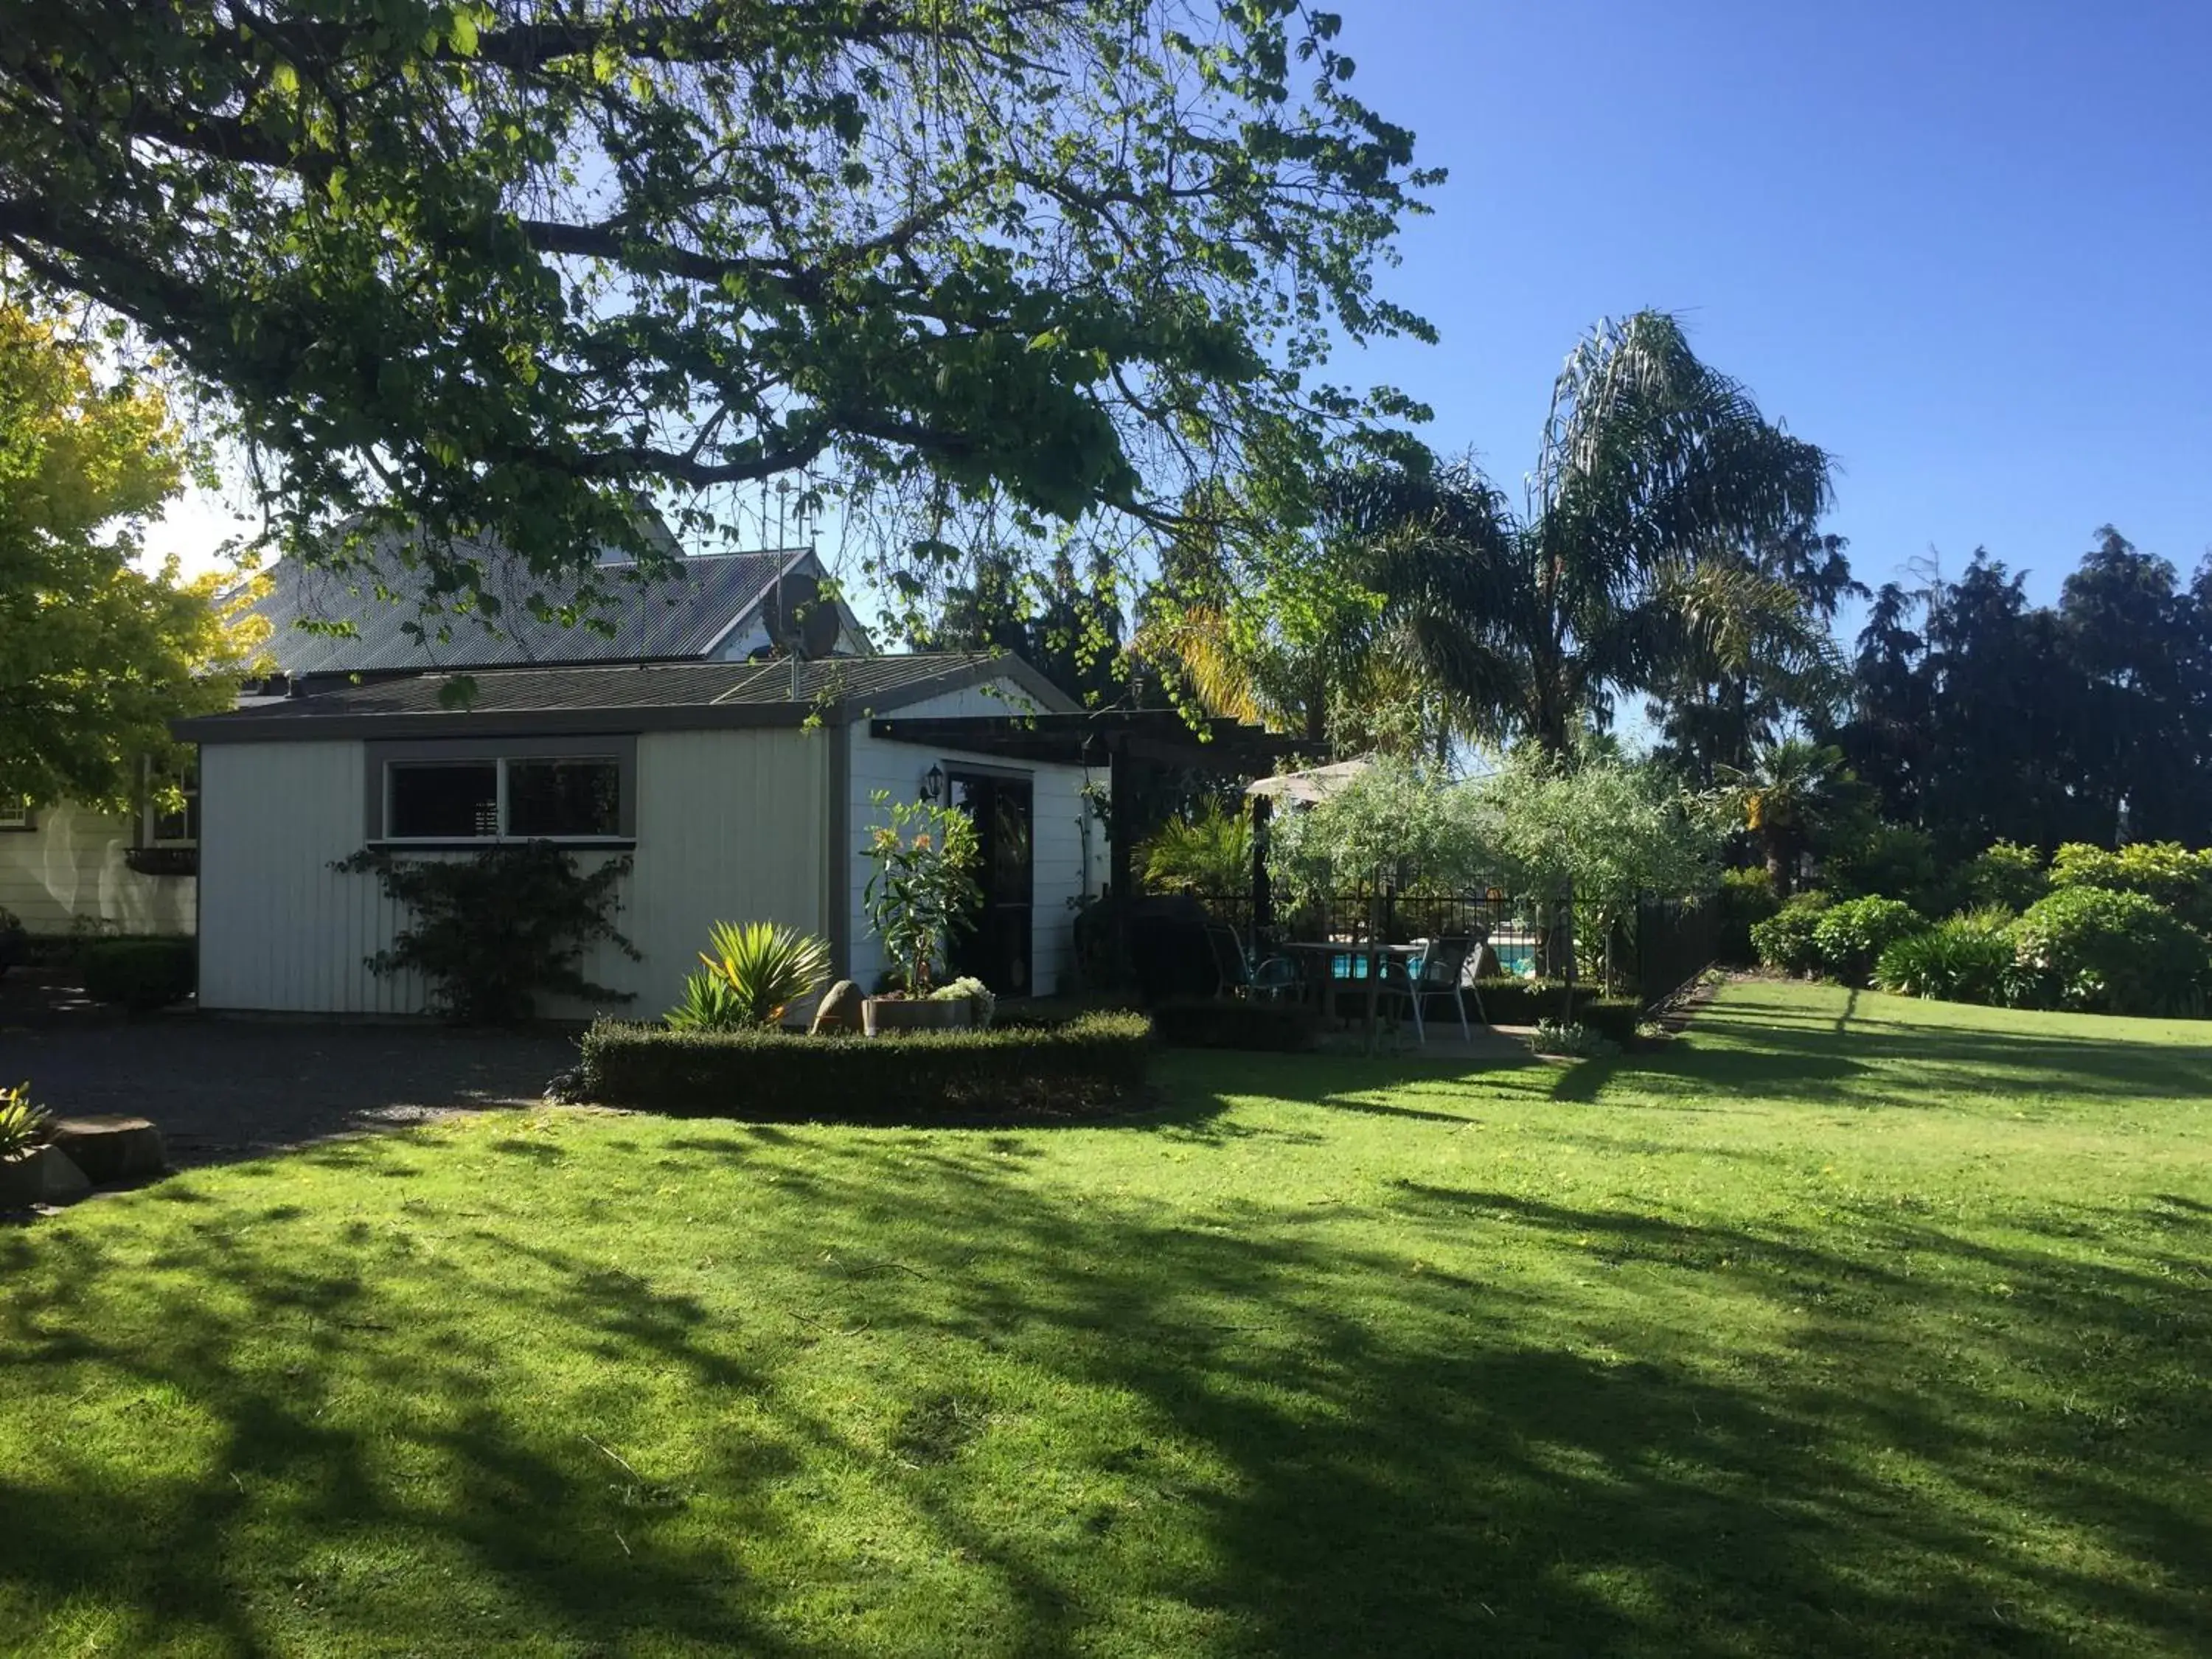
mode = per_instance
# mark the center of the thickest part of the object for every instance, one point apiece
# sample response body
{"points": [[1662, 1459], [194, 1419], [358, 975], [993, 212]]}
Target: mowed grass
{"points": [[1846, 1325]]}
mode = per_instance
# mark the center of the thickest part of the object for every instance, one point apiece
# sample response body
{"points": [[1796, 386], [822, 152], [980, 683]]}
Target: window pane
{"points": [[563, 798], [183, 825], [444, 802]]}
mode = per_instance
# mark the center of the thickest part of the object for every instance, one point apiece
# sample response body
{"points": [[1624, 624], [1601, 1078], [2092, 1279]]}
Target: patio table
{"points": [[1363, 961]]}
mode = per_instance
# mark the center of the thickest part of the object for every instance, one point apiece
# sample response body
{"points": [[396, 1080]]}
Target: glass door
{"points": [[998, 951]]}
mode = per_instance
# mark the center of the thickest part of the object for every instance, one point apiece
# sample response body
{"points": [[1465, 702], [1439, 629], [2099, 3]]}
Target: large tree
{"points": [[507, 265], [1735, 692], [1614, 573], [96, 655], [1980, 717]]}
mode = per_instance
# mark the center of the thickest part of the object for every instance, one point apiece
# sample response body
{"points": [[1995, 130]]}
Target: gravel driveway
{"points": [[223, 1090]]}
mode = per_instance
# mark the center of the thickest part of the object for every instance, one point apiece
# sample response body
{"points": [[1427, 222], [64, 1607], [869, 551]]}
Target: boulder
{"points": [[840, 1010], [44, 1175], [112, 1148]]}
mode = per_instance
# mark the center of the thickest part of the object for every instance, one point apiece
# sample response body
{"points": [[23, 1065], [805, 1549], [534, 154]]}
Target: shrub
{"points": [[1095, 1062], [1532, 1001], [15, 943], [763, 967], [1746, 898], [922, 893], [2103, 951], [1962, 960], [1050, 1013], [1572, 1039], [1892, 859], [2005, 874], [973, 991], [492, 932], [708, 1004], [22, 1126], [2164, 872], [1852, 936], [1223, 1022], [139, 974], [1784, 940], [1211, 853]]}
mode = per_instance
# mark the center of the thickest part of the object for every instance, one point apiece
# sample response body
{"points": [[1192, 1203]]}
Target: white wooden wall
{"points": [[1060, 872], [730, 827], [71, 865]]}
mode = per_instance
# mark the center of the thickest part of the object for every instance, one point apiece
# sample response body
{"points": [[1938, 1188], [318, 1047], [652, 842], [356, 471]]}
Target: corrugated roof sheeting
{"points": [[845, 681], [680, 615]]}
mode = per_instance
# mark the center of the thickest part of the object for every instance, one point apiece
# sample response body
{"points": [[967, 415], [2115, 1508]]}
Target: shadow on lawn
{"points": [[1300, 1442], [1779, 1050]]}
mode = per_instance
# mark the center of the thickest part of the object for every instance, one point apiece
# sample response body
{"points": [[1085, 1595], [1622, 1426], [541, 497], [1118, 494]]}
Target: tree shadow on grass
{"points": [[1056, 1425]]}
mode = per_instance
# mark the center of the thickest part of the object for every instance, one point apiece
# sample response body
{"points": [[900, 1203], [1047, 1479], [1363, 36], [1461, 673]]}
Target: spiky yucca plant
{"points": [[763, 967], [22, 1126]]}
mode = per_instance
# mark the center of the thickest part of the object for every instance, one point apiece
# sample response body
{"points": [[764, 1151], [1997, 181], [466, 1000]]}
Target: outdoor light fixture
{"points": [[933, 784]]}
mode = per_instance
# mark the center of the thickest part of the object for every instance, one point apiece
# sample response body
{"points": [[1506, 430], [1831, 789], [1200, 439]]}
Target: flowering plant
{"points": [[923, 891]]}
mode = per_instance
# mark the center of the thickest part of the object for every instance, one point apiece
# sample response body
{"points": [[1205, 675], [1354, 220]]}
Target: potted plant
{"points": [[921, 895]]}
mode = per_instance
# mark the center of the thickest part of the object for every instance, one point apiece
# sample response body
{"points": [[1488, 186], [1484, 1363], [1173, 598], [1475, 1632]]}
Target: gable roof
{"points": [[629, 697], [687, 613]]}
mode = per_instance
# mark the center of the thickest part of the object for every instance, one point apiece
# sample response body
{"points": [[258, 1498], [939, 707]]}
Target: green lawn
{"points": [[1849, 1326]]}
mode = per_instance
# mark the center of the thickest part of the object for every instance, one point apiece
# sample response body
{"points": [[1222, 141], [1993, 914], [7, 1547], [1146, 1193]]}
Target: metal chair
{"points": [[1267, 979], [1438, 971]]}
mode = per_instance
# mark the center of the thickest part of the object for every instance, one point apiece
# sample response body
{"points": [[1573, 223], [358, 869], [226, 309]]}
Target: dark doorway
{"points": [[998, 951]]}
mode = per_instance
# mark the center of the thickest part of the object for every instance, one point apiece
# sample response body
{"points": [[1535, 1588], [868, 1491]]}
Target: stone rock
{"points": [[45, 1175], [840, 1010], [112, 1148]]}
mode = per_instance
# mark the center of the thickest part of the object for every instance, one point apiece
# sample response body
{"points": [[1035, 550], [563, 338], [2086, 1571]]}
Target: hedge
{"points": [[2098, 951], [1208, 1023], [1785, 941], [1852, 936], [140, 974], [1089, 1063], [1528, 1001]]}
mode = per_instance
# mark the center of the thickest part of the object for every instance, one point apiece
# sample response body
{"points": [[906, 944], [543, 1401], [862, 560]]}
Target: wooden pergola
{"points": [[1121, 740]]}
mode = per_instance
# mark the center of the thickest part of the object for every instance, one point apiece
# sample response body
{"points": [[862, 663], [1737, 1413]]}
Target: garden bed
{"points": [[1091, 1065]]}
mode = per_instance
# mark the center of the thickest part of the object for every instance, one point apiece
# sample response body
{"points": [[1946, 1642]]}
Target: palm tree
{"points": [[1533, 623], [1790, 793]]}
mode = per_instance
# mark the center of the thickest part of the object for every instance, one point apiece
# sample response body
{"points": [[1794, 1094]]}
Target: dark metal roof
{"points": [[685, 613], [1090, 737], [629, 697]]}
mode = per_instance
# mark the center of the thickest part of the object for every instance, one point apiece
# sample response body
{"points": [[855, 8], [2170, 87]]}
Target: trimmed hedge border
{"points": [[1206, 1023], [1528, 1002], [1092, 1064], [142, 974]]}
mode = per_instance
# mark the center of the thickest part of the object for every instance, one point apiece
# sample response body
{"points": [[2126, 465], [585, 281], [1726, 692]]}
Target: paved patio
{"points": [[224, 1089]]}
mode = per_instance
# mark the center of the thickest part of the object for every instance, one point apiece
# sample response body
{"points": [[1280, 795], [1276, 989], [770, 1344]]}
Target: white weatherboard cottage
{"points": [[66, 865], [737, 795]]}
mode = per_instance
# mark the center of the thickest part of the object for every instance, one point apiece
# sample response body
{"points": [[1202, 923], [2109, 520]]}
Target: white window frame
{"points": [[16, 818], [620, 755]]}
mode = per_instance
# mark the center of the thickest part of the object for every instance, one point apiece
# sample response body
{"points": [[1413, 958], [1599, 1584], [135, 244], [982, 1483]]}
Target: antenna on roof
{"points": [[801, 619]]}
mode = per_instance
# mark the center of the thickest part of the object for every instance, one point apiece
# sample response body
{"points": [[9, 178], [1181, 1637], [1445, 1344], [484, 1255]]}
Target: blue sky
{"points": [[1965, 247]]}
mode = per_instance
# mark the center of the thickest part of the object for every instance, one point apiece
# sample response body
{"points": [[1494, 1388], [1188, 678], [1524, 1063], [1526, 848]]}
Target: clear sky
{"points": [[1966, 247]]}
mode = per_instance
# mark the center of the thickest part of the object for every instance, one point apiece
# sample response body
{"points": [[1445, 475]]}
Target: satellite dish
{"points": [[801, 617]]}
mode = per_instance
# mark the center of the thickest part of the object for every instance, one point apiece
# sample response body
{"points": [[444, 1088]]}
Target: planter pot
{"points": [[882, 1014], [45, 1175]]}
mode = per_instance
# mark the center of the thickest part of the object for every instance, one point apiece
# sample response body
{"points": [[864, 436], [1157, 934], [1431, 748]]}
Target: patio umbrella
{"points": [[1308, 788]]}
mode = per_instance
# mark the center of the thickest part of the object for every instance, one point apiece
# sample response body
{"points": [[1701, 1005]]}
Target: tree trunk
{"points": [[1781, 870]]}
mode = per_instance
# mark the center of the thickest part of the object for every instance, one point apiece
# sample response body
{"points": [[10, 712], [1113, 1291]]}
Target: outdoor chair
{"points": [[1266, 980], [1438, 971]]}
